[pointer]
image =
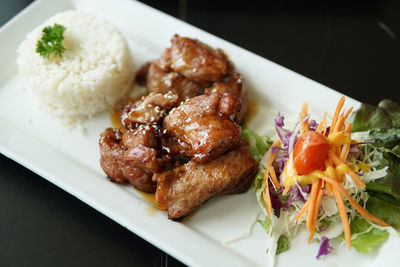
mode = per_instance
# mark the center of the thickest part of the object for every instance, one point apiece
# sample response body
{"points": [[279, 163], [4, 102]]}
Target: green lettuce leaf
{"points": [[386, 208], [368, 117], [364, 239], [258, 145], [390, 184], [283, 244], [388, 139], [393, 109]]}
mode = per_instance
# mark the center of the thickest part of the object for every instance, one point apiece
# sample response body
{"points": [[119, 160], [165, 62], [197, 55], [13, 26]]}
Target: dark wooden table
{"points": [[350, 46]]}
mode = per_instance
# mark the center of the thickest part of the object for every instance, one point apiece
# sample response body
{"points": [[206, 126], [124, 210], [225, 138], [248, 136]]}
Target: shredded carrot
{"points": [[322, 125], [304, 124], [267, 199], [316, 211], [337, 112], [339, 125], [347, 113], [311, 207], [357, 206], [270, 171], [343, 217], [356, 178], [274, 179], [286, 190], [346, 148], [302, 211]]}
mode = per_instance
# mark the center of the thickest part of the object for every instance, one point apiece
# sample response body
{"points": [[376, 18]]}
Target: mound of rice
{"points": [[94, 72]]}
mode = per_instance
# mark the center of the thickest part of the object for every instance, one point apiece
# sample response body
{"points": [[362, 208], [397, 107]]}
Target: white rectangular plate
{"points": [[70, 159]]}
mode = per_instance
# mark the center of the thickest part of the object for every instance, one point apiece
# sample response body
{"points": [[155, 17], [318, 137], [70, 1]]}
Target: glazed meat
{"points": [[159, 81], [181, 190], [195, 60], [148, 135], [183, 140], [234, 85], [131, 157], [149, 109], [202, 127]]}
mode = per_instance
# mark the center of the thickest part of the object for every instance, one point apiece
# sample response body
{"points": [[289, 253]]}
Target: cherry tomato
{"points": [[310, 152]]}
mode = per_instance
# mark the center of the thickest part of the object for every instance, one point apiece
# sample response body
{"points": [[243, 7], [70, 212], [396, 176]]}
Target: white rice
{"points": [[93, 74]]}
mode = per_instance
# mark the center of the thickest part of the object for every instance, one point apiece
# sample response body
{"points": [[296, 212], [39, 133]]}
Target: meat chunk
{"points": [[196, 60], [111, 152], [182, 189], [164, 62], [202, 127], [126, 160], [234, 85], [159, 81], [148, 135], [149, 109]]}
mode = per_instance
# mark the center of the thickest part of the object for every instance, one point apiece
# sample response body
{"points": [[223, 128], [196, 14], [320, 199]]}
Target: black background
{"points": [[350, 46]]}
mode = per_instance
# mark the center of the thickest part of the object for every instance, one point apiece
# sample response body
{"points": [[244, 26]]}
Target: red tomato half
{"points": [[310, 152]]}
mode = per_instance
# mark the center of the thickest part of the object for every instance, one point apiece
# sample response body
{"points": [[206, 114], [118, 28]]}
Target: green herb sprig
{"points": [[51, 41]]}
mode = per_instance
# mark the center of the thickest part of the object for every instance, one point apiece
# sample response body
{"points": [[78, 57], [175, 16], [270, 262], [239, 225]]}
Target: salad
{"points": [[339, 180]]}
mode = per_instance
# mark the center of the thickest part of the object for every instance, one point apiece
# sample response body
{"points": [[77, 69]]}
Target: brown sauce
{"points": [[252, 109], [115, 118], [151, 200], [115, 114]]}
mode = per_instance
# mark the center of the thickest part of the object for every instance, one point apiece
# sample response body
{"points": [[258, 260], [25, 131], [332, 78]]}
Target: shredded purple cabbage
{"points": [[324, 248], [278, 204]]}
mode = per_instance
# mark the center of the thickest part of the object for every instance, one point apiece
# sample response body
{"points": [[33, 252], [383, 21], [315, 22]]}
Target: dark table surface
{"points": [[350, 46]]}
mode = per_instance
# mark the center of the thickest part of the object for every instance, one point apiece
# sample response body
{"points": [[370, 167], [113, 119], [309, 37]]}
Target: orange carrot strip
{"points": [[337, 112], [302, 211], [274, 179], [286, 190], [339, 124], [313, 196], [316, 211], [354, 176], [267, 199], [322, 124], [304, 124], [346, 148], [347, 113], [343, 216], [357, 206], [270, 170]]}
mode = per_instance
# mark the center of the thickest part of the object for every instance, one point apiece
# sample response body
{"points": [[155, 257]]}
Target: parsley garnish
{"points": [[51, 41]]}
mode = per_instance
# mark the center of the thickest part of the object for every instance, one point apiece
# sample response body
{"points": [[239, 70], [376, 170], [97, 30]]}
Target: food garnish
{"points": [[331, 179], [319, 158], [51, 41]]}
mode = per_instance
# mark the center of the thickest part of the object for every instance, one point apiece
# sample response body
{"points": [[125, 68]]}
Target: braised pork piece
{"points": [[131, 157], [183, 140], [202, 127], [184, 188]]}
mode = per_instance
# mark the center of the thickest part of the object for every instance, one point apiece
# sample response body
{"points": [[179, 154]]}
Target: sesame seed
{"points": [[165, 131]]}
